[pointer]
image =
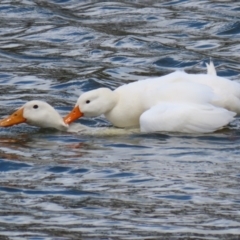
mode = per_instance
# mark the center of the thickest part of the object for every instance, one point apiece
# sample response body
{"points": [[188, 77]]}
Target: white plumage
{"points": [[176, 102]]}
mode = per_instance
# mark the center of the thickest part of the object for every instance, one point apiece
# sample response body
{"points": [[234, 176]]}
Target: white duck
{"points": [[41, 114], [36, 113], [178, 102]]}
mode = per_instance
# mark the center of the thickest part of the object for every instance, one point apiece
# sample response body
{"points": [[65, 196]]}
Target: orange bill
{"points": [[73, 115], [15, 118]]}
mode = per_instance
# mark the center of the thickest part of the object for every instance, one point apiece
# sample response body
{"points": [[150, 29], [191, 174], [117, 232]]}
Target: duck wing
{"points": [[185, 117]]}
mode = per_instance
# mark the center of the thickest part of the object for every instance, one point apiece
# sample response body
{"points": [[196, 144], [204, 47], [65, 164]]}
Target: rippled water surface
{"points": [[57, 185]]}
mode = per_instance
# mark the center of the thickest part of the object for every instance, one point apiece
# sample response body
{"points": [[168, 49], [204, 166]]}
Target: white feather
{"points": [[185, 117], [211, 69]]}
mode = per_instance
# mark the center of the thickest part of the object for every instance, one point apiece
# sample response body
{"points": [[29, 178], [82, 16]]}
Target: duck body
{"points": [[179, 87], [227, 92]]}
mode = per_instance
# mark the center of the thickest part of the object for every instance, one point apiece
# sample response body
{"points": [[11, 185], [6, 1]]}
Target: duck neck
{"points": [[112, 103]]}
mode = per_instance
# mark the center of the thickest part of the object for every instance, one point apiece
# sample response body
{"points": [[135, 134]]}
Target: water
{"points": [[57, 185]]}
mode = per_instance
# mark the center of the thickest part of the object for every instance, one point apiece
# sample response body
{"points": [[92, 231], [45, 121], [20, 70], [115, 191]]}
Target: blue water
{"points": [[61, 186]]}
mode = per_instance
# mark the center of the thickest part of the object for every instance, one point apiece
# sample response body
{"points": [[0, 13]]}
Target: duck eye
{"points": [[88, 101], [35, 106]]}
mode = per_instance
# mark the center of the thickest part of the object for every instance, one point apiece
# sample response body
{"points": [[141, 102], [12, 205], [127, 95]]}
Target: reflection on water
{"points": [[57, 185]]}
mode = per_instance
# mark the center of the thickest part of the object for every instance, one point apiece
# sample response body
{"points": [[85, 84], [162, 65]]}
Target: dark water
{"points": [[63, 186]]}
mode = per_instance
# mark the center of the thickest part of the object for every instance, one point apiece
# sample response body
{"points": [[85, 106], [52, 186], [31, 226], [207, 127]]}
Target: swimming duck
{"points": [[176, 102], [36, 113]]}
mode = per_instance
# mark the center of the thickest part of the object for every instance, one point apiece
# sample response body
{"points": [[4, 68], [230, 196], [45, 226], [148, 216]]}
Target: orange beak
{"points": [[15, 118], [73, 115]]}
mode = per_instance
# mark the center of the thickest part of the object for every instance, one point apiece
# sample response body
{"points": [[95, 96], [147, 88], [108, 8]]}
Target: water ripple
{"points": [[57, 185]]}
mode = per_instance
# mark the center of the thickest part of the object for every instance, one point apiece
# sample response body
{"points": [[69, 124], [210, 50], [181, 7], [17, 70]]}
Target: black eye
{"points": [[88, 101], [35, 106]]}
